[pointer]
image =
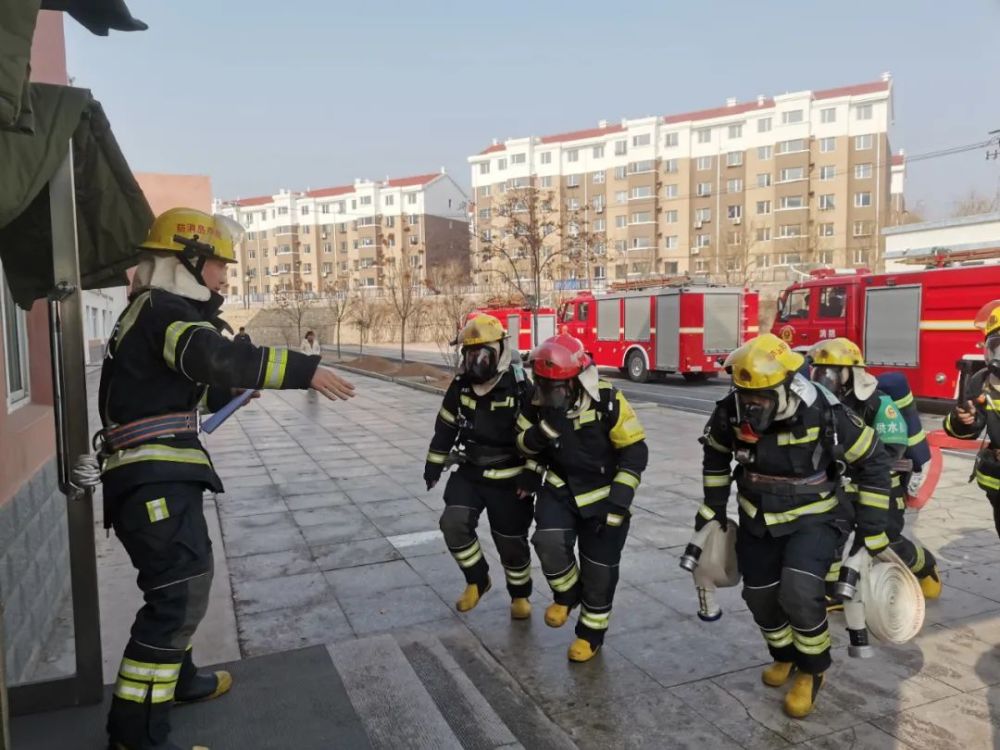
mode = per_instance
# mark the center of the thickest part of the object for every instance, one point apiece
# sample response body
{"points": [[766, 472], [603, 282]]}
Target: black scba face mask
{"points": [[480, 363], [757, 408], [991, 352], [559, 395], [830, 377]]}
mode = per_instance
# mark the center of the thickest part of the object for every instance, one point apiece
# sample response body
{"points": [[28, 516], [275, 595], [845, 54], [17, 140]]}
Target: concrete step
{"points": [[392, 702], [467, 712]]}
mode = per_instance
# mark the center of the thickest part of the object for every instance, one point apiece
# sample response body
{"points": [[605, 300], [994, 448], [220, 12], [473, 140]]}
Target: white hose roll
{"points": [[717, 567], [894, 603]]}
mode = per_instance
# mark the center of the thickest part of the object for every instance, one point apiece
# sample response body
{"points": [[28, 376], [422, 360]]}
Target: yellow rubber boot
{"points": [[223, 682], [931, 584], [520, 608], [801, 698], [471, 596], [581, 650], [778, 673], [556, 615]]}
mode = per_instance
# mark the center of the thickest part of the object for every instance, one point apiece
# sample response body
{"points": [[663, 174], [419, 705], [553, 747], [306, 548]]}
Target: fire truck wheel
{"points": [[636, 366]]}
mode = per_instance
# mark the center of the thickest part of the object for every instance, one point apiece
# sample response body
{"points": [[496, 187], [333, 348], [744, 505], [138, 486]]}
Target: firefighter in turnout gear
{"points": [[978, 410], [839, 365], [166, 359], [586, 453], [475, 428], [791, 440]]}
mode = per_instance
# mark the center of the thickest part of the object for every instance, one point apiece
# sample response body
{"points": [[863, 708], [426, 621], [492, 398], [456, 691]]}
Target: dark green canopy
{"points": [[112, 214]]}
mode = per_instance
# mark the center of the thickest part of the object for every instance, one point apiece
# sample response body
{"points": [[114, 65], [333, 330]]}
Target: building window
{"points": [[734, 186], [327, 247], [736, 130], [621, 148], [15, 346], [763, 234], [735, 211], [863, 228], [764, 179], [573, 180], [306, 249], [764, 153], [670, 191], [671, 242], [573, 154], [545, 157], [763, 208], [621, 196], [792, 201], [620, 173], [282, 210], [501, 164], [414, 240], [641, 217], [863, 112], [483, 191], [789, 174], [484, 167], [827, 145], [860, 257], [647, 165], [703, 240], [703, 135], [827, 172], [701, 215], [828, 115], [670, 166], [598, 225], [598, 152], [389, 200], [703, 163], [545, 182], [643, 191], [764, 125], [790, 230], [862, 142], [704, 188], [518, 158], [641, 140], [826, 229], [641, 243], [413, 218], [862, 171], [598, 203], [786, 259], [791, 117], [734, 159], [701, 265], [573, 204], [826, 202], [671, 140], [788, 147], [621, 222], [862, 199], [670, 217], [304, 210]]}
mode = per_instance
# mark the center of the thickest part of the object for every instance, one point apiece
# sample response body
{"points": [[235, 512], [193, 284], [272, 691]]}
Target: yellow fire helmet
{"points": [[988, 318], [481, 329], [191, 232], [840, 352], [763, 362]]}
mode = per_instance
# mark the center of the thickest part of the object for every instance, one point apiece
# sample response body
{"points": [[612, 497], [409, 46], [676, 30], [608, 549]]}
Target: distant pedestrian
{"points": [[242, 337], [310, 344]]}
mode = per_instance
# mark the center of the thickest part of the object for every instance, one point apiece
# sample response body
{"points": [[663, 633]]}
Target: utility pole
{"points": [[993, 146]]}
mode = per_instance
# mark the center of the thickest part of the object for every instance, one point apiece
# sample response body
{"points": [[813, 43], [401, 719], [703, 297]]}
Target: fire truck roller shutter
{"points": [[514, 330], [892, 326], [668, 322], [546, 326], [722, 321], [609, 319]]}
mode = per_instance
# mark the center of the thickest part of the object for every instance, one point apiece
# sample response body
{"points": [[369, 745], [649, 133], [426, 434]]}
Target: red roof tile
{"points": [[330, 191], [898, 160], [579, 135], [856, 90], [493, 148], [709, 114], [258, 201], [420, 179]]}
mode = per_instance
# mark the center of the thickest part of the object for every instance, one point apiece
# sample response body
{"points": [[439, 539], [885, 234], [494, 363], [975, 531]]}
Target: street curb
{"points": [[388, 378]]}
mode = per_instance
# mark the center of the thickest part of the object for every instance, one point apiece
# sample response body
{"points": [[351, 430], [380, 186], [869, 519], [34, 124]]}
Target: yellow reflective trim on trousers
{"points": [[705, 512], [522, 575], [433, 457], [787, 438], [156, 452], [714, 444], [136, 692], [627, 478], [566, 581], [749, 508], [173, 336], [861, 445], [523, 448], [589, 498], [914, 439], [149, 671], [878, 540], [446, 416], [986, 481], [778, 638], [523, 423], [157, 511], [468, 401], [716, 480], [813, 644], [468, 552], [874, 500], [820, 506], [128, 320], [503, 473], [595, 620], [905, 401], [277, 361]]}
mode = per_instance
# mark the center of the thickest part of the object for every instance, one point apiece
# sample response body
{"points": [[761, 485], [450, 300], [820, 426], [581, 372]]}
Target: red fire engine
{"points": [[919, 322], [677, 329], [518, 322]]}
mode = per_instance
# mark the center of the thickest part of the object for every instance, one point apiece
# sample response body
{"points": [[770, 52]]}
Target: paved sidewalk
{"points": [[328, 535]]}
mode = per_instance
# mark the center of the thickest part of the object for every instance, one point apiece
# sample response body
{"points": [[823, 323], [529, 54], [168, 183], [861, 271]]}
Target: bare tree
{"points": [[974, 203], [530, 240], [740, 263], [366, 313], [452, 303], [341, 305], [294, 303], [403, 281]]}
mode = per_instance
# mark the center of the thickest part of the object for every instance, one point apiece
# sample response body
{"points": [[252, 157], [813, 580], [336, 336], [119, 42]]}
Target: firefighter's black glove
{"points": [[432, 473], [528, 482], [874, 541], [555, 423], [700, 520]]}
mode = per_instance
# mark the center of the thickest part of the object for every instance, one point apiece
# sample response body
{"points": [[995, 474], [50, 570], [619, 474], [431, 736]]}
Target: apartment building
{"points": [[346, 237], [802, 178]]}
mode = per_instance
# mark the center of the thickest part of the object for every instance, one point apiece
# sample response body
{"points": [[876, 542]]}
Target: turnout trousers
{"points": [[917, 558]]}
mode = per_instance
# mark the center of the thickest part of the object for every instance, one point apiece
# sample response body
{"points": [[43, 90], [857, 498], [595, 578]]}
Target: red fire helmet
{"points": [[560, 358]]}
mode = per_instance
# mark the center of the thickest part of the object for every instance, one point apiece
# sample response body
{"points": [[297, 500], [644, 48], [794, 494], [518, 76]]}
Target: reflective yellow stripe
{"points": [[820, 506], [896, 481], [905, 401], [833, 573], [918, 564], [585, 417], [518, 576], [615, 519], [565, 581], [548, 430], [988, 482], [446, 416], [137, 691], [589, 498], [778, 638], [711, 442], [554, 479], [433, 457], [595, 620], [128, 320], [716, 480], [749, 508], [861, 445], [914, 439], [149, 671], [874, 500], [156, 452], [815, 644], [522, 447], [506, 403], [523, 423], [468, 401], [277, 361], [878, 540], [787, 438], [850, 488], [503, 473], [469, 556], [157, 511], [627, 478], [534, 466], [705, 512], [173, 336]]}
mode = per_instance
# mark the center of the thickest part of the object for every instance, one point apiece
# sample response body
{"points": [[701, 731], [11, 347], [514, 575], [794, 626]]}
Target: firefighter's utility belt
{"points": [[786, 486], [131, 434], [485, 456]]}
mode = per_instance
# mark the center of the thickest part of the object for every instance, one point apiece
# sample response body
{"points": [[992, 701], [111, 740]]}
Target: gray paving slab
{"points": [[396, 609], [353, 554], [272, 565], [263, 532], [264, 594], [288, 628]]}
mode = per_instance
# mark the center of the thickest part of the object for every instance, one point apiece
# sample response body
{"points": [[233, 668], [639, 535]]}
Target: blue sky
{"points": [[310, 93]]}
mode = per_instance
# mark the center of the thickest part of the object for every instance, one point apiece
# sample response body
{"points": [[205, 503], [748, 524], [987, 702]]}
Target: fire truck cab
{"points": [[519, 323]]}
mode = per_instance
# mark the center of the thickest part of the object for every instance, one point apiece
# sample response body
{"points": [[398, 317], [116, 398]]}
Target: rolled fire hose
{"points": [[711, 558], [893, 600]]}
